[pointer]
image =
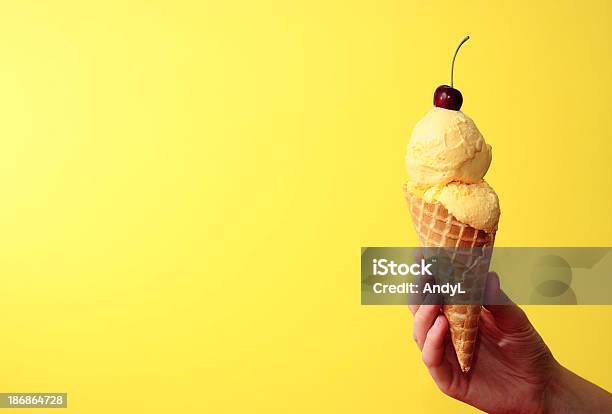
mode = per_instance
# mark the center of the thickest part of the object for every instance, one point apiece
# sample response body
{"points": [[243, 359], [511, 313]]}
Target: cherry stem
{"points": [[454, 56]]}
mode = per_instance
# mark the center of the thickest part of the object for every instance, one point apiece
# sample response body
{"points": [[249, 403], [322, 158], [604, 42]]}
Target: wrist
{"points": [[567, 392]]}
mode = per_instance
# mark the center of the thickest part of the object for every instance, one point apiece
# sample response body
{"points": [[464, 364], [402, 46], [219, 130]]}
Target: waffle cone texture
{"points": [[436, 227]]}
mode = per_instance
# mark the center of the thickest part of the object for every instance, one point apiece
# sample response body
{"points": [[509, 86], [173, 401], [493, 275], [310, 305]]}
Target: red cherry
{"points": [[448, 97]]}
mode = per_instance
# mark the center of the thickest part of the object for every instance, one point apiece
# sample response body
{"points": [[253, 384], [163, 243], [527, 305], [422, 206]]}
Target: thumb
{"points": [[508, 316]]}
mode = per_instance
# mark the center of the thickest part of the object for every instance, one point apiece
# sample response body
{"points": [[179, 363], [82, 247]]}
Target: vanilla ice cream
{"points": [[446, 146], [446, 161]]}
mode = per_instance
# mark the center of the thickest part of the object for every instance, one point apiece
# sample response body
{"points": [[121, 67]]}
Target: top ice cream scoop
{"points": [[446, 146]]}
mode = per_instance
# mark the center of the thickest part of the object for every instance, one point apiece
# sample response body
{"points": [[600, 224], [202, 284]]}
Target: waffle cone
{"points": [[436, 227]]}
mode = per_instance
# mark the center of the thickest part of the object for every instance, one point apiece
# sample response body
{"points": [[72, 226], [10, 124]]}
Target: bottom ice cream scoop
{"points": [[474, 204]]}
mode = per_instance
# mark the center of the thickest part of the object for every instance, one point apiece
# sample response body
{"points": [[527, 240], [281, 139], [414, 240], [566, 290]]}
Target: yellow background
{"points": [[186, 186]]}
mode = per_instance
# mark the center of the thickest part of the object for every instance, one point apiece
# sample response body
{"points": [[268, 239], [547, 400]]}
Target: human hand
{"points": [[512, 366]]}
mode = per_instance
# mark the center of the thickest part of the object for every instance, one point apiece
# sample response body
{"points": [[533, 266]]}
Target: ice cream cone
{"points": [[437, 228]]}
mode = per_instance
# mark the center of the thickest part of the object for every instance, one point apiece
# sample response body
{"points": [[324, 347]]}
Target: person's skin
{"points": [[513, 370]]}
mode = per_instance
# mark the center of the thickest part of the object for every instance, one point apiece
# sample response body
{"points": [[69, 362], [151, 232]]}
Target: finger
{"points": [[437, 354], [433, 348], [418, 298], [508, 316], [413, 308], [418, 254], [444, 373], [415, 300], [423, 320], [432, 299]]}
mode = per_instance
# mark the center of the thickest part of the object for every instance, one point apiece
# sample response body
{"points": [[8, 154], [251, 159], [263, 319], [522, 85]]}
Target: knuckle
{"points": [[426, 359], [446, 389], [429, 335], [418, 322]]}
